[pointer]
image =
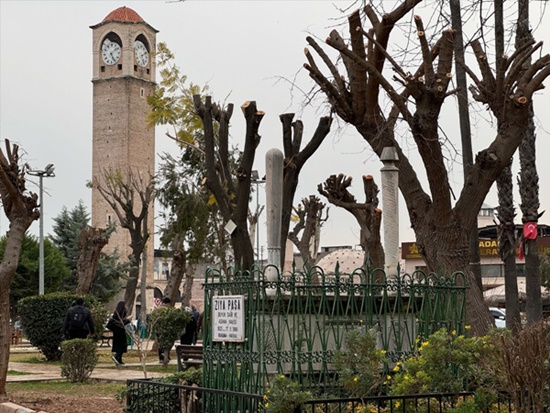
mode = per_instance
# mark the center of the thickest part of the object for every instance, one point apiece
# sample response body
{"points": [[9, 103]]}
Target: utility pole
{"points": [[48, 173]]}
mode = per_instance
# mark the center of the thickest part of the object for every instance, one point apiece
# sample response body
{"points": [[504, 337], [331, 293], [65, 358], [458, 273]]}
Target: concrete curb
{"points": [[14, 408]]}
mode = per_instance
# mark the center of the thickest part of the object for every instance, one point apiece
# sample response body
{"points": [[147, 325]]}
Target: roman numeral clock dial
{"points": [[142, 55], [110, 52]]}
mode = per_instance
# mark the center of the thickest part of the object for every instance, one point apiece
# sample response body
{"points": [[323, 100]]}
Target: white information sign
{"points": [[228, 318]]}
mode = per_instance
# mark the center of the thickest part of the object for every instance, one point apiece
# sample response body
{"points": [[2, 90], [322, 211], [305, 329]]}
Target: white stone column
{"points": [[390, 209], [274, 201]]}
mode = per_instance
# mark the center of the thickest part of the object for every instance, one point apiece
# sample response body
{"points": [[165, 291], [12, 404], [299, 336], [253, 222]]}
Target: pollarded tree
{"points": [[21, 209], [229, 186], [294, 160], [309, 216], [441, 227], [101, 279], [130, 195], [367, 214]]}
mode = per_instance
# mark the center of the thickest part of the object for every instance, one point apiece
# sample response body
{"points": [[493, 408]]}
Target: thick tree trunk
{"points": [[177, 272], [90, 245], [446, 251], [529, 186], [187, 290], [21, 209], [131, 284]]}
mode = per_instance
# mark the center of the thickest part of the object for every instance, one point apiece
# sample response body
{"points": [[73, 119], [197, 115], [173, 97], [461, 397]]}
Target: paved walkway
{"points": [[103, 371], [38, 372]]}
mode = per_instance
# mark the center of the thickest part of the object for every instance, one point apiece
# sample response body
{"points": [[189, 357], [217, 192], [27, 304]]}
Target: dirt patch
{"points": [[67, 404], [63, 403]]}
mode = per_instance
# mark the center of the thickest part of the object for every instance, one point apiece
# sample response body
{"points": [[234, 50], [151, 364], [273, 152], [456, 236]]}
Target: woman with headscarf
{"points": [[117, 324]]}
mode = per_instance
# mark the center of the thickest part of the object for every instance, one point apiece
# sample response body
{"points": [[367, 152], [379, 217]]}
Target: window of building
{"points": [[491, 270]]}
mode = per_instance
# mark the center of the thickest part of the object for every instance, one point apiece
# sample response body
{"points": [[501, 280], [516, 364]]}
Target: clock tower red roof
{"points": [[123, 14]]}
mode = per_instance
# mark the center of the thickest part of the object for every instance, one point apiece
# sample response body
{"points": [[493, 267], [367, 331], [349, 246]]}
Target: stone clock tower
{"points": [[123, 77]]}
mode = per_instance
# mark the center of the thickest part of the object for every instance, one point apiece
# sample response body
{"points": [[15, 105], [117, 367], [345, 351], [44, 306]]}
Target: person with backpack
{"points": [[117, 324], [79, 322]]}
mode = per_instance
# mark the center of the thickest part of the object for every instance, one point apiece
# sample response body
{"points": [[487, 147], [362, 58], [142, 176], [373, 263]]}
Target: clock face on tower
{"points": [[142, 55], [110, 51]]}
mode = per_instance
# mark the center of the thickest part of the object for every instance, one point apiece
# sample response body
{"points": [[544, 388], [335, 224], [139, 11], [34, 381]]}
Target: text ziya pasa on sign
{"points": [[228, 318]]}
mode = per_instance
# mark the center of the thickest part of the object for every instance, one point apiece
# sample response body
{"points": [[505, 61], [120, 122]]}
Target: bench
{"points": [[188, 356], [15, 336], [105, 337]]}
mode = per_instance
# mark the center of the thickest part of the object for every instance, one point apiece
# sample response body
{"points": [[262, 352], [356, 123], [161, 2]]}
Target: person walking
{"points": [[79, 322], [190, 332], [166, 302], [117, 324]]}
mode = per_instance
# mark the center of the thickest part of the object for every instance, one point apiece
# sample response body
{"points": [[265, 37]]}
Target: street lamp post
{"points": [[48, 173], [257, 181]]}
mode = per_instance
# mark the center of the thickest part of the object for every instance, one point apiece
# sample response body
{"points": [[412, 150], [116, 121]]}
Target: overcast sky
{"points": [[245, 50]]}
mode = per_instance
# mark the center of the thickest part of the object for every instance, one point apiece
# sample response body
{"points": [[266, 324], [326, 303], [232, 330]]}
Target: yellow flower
{"points": [[355, 379], [396, 368], [467, 327], [382, 352], [424, 344], [266, 405], [265, 396], [397, 404], [453, 332], [406, 377], [282, 376], [388, 377], [398, 363]]}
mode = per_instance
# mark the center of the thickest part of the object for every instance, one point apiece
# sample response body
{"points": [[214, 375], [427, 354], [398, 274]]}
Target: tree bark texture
{"points": [[529, 186], [231, 188], [92, 241], [433, 216], [294, 160], [465, 129], [507, 247], [367, 214], [21, 209], [177, 272]]}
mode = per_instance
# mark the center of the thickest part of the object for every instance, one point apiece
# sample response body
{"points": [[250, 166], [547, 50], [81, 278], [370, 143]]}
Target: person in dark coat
{"points": [[190, 333], [117, 324], [79, 322]]}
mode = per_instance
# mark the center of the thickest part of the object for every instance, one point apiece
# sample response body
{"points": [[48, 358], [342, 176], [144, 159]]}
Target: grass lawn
{"points": [[91, 387], [132, 357]]}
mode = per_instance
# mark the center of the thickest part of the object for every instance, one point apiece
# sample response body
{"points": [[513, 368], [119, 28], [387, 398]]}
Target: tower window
{"points": [[109, 219], [103, 68], [135, 68], [142, 92], [119, 67], [147, 71]]}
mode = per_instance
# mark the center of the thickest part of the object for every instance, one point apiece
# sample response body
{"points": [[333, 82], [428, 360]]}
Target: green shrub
{"points": [[360, 364], [167, 324], [79, 358], [445, 363], [42, 319], [285, 396]]}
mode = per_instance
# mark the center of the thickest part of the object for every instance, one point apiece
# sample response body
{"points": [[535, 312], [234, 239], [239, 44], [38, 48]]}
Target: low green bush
{"points": [[167, 324], [42, 319], [79, 358]]}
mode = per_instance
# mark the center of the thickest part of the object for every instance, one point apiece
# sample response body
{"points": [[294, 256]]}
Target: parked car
{"points": [[500, 316]]}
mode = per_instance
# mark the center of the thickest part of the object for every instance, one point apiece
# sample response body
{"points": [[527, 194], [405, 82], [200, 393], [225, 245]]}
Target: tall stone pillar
{"points": [[274, 201], [390, 208]]}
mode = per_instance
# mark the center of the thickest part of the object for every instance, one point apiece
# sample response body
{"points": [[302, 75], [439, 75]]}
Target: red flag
{"points": [[530, 230]]}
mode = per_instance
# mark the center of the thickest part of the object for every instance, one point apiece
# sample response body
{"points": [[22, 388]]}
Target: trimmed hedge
{"points": [[42, 319]]}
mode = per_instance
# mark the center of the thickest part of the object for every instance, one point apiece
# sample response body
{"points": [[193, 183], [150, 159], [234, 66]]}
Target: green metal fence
{"points": [[294, 325]]}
